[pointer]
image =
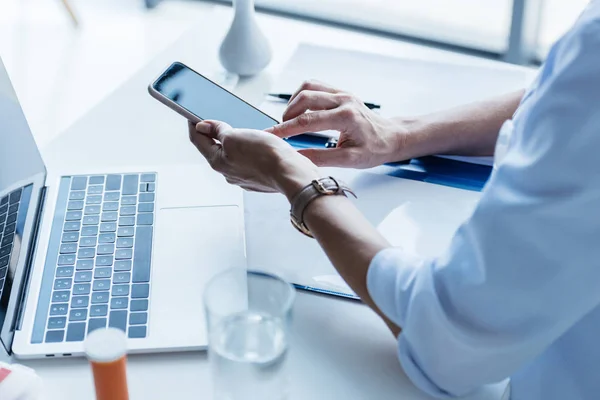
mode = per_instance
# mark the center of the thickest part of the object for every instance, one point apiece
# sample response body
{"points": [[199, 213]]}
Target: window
{"points": [[483, 25], [557, 16]]}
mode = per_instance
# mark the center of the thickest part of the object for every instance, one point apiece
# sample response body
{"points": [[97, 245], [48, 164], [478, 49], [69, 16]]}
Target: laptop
{"points": [[129, 248]]}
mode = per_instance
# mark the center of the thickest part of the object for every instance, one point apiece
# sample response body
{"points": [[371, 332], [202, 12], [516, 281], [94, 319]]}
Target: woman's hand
{"points": [[254, 160], [366, 139]]}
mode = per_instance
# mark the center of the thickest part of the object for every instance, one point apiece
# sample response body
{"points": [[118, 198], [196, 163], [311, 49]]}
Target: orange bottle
{"points": [[106, 350]]}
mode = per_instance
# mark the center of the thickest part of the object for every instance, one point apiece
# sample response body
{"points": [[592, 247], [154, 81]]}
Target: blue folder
{"points": [[431, 169]]}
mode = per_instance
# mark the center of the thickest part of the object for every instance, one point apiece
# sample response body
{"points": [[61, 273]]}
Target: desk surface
{"points": [[341, 350]]}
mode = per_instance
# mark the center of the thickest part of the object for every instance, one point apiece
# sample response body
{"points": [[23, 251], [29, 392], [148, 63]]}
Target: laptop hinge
{"points": [[25, 287]]}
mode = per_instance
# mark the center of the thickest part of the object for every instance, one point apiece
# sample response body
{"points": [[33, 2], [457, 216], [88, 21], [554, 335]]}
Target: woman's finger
{"points": [[317, 121], [214, 129], [316, 86], [310, 100]]}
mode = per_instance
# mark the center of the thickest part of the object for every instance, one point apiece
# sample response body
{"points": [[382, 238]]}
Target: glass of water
{"points": [[248, 315]]}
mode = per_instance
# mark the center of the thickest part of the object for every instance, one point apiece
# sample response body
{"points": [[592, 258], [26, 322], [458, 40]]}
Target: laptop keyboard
{"points": [[102, 266], [9, 209]]}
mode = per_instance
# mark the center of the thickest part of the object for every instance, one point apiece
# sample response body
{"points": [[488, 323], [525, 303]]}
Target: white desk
{"points": [[341, 350]]}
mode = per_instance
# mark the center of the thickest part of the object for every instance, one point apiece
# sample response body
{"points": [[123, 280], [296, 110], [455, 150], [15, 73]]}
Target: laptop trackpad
{"points": [[192, 245]]}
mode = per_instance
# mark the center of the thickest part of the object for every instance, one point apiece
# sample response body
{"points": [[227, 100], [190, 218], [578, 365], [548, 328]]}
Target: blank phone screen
{"points": [[207, 100]]}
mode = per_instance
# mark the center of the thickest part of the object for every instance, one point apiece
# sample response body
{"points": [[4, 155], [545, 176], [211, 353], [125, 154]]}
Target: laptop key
{"points": [[148, 178], [99, 297], [9, 228], [84, 265], [89, 230], [130, 183], [93, 199], [97, 180], [99, 310], [127, 210], [63, 284], [3, 272], [88, 241], [112, 196], [109, 216], [91, 210], [57, 322], [4, 261], [118, 303], [137, 332], [59, 309], [108, 227], [145, 219], [4, 200], [123, 254], [122, 265], [61, 296], [55, 336], [80, 302], [5, 251], [77, 195], [66, 259], [128, 200], [64, 272], [3, 210], [68, 248], [96, 323], [151, 187], [76, 332], [126, 221], [138, 318], [146, 207], [125, 231], [73, 216], [138, 305], [70, 237], [86, 252], [83, 276], [125, 242], [71, 226], [104, 261], [91, 220], [120, 290], [122, 277], [110, 206], [118, 319], [113, 182], [104, 249], [78, 182], [101, 285], [13, 209], [78, 315], [81, 288], [109, 237], [11, 219], [142, 254], [146, 197], [143, 187], [75, 205], [8, 239], [94, 190], [100, 273]]}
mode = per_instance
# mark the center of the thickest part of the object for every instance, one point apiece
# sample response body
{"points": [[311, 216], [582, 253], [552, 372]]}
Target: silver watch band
{"points": [[320, 187]]}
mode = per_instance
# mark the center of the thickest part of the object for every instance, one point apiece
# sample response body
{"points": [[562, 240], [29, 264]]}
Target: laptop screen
{"points": [[21, 166]]}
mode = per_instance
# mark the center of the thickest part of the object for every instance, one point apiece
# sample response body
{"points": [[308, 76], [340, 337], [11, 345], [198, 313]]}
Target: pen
{"points": [[284, 96]]}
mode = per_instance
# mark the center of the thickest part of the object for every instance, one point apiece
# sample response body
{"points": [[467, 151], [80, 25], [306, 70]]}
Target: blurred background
{"points": [[60, 70]]}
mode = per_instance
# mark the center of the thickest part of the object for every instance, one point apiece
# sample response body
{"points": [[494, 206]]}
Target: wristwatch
{"points": [[319, 187]]}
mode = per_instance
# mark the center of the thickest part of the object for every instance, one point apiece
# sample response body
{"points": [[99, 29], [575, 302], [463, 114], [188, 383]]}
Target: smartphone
{"points": [[197, 98]]}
